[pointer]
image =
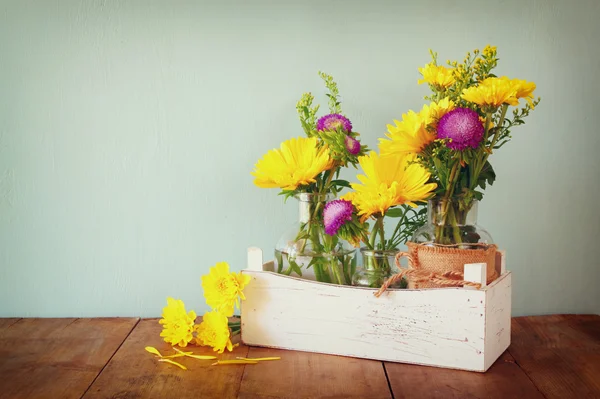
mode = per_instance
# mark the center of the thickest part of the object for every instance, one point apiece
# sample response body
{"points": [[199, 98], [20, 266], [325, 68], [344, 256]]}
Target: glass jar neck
{"points": [[311, 205], [453, 211]]}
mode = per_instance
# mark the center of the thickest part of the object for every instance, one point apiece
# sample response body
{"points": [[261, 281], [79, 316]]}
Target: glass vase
{"points": [[452, 222], [377, 266], [305, 249]]}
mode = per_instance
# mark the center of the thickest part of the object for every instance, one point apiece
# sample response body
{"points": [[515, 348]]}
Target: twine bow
{"points": [[446, 279]]}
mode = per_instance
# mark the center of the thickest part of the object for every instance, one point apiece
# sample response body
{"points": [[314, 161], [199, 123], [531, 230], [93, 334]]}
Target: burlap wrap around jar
{"points": [[439, 261]]}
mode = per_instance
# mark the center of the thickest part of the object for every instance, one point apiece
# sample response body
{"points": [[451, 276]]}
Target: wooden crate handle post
{"points": [[255, 259], [476, 273], [501, 262]]}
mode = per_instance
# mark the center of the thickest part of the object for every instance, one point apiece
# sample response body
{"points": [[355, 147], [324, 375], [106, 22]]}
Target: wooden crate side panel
{"points": [[497, 319], [442, 327]]}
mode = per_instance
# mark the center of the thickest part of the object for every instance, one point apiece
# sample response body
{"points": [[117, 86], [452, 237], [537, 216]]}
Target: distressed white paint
{"points": [[449, 327], [476, 273]]}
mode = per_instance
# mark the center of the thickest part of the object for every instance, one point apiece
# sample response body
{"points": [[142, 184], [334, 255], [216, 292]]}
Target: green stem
{"points": [[373, 236], [439, 231], [397, 229], [499, 127]]}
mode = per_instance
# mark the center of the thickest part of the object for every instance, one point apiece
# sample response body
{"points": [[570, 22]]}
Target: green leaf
{"points": [[295, 267], [340, 183], [279, 258], [487, 175], [395, 212]]}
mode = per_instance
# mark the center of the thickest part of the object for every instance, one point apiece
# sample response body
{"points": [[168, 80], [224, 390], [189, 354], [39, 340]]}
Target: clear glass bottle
{"points": [[452, 222], [306, 250], [377, 266]]}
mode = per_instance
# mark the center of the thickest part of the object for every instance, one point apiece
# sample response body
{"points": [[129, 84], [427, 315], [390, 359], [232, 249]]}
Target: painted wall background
{"points": [[128, 130]]}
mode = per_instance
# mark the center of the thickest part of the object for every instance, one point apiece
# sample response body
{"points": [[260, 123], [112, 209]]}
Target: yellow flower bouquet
{"points": [[454, 135], [308, 168]]}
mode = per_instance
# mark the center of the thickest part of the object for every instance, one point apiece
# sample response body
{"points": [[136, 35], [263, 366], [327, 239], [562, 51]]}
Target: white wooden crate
{"points": [[459, 328]]}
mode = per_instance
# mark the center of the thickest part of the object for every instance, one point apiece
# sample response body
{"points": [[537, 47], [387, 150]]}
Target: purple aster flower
{"points": [[333, 121], [352, 145], [335, 214], [463, 127]]}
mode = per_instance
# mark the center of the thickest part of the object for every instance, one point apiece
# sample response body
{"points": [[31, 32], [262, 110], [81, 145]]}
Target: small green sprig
{"points": [[307, 113], [335, 106]]}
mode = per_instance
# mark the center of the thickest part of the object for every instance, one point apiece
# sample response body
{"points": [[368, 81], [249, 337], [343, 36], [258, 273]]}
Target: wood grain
{"points": [[57, 358], [560, 353], [7, 322], [135, 373], [312, 375], [503, 380]]}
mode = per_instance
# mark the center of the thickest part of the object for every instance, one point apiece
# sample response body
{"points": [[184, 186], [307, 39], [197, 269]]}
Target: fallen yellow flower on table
{"points": [[214, 332], [178, 325], [223, 289]]}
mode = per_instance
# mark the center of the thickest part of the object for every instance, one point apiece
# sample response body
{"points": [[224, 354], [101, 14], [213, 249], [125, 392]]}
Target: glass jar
{"points": [[305, 249], [377, 266], [452, 222]]}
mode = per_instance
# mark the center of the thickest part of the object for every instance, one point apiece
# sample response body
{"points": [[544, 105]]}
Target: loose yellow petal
{"points": [[173, 356], [153, 350], [190, 354], [238, 361], [259, 359], [181, 366]]}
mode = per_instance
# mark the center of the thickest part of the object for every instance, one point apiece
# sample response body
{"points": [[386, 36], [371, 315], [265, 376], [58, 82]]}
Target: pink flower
{"points": [[335, 214], [463, 127], [352, 145], [333, 121]]}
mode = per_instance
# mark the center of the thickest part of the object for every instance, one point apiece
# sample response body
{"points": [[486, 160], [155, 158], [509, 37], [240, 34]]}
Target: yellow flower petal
{"points": [[190, 354], [153, 350], [223, 362], [173, 363]]}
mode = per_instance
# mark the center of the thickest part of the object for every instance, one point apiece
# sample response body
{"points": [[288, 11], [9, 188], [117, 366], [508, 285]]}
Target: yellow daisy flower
{"points": [[416, 130], [223, 289], [492, 93], [437, 75], [388, 181], [296, 163], [214, 332], [523, 88], [178, 325], [408, 136]]}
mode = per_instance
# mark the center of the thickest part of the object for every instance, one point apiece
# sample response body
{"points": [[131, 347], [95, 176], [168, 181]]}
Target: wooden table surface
{"points": [[551, 356]]}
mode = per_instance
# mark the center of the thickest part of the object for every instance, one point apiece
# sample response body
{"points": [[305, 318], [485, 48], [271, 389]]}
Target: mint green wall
{"points": [[128, 130]]}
